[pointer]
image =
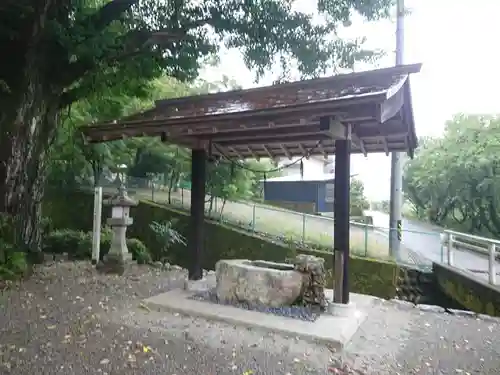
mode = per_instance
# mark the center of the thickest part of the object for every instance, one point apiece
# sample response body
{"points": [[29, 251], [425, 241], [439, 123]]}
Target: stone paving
{"points": [[67, 319]]}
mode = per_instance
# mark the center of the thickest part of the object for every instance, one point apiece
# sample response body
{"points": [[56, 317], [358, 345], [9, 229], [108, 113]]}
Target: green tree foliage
{"points": [[228, 181], [383, 206], [261, 170], [148, 160], [65, 52], [73, 163], [455, 179], [359, 203]]}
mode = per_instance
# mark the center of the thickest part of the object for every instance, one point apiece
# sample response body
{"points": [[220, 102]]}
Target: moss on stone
{"points": [[74, 210], [470, 292]]}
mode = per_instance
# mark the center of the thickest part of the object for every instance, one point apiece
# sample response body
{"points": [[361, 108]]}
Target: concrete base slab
{"points": [[335, 331], [201, 285], [340, 309]]}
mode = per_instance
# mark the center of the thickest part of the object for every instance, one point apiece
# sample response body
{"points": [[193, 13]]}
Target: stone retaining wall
{"points": [[469, 291], [367, 276]]}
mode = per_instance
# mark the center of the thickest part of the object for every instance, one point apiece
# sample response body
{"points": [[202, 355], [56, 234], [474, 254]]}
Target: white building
{"points": [[314, 166]]}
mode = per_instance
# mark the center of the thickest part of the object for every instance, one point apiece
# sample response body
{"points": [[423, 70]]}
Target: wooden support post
{"points": [[341, 218], [197, 238]]}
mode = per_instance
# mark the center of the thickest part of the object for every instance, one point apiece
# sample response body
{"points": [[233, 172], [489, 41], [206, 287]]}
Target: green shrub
{"points": [[356, 211], [167, 237], [7, 229], [106, 238], [139, 251], [14, 266], [46, 224], [77, 244], [69, 209]]}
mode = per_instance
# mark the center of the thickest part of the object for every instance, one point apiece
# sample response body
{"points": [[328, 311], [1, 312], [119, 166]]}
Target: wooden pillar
{"points": [[341, 218], [197, 238]]}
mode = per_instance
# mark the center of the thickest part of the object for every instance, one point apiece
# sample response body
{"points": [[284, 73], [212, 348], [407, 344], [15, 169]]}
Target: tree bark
{"points": [[210, 208], [27, 126], [171, 181], [222, 208], [25, 138]]}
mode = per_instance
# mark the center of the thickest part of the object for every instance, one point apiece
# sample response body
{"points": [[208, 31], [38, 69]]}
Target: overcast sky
{"points": [[457, 42]]}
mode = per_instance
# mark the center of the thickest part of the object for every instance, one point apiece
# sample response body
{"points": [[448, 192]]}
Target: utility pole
{"points": [[396, 157]]}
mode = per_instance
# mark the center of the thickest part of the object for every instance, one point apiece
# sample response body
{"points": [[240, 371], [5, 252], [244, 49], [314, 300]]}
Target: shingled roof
{"points": [[291, 119]]}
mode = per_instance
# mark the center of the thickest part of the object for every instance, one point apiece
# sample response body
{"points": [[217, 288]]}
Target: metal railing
{"points": [[308, 230], [455, 242]]}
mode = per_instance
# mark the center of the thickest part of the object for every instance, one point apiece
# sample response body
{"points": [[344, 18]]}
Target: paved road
{"points": [[424, 239]]}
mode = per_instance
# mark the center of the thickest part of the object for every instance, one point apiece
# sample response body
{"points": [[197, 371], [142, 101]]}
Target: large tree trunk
{"points": [[27, 126], [25, 138], [28, 117]]}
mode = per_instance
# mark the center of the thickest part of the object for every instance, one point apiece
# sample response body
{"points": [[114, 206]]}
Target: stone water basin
{"points": [[258, 282]]}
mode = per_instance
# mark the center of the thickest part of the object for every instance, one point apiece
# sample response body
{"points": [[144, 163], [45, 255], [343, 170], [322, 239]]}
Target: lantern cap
{"points": [[121, 199]]}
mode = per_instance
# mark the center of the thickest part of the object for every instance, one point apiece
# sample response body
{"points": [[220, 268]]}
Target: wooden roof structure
{"points": [[285, 120]]}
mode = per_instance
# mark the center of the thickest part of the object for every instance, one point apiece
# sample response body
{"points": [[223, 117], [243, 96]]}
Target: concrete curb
{"points": [[333, 331]]}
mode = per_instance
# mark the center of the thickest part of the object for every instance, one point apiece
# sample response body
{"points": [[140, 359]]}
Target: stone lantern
{"points": [[120, 219]]}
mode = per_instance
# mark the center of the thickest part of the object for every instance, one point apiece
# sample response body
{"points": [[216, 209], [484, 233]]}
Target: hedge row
{"points": [[74, 210], [78, 245]]}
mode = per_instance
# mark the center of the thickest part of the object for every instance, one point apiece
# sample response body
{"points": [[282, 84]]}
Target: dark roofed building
{"points": [[309, 194]]}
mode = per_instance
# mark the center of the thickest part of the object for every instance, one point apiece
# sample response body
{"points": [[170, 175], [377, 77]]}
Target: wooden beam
{"points": [[294, 151], [219, 149], [359, 142], [254, 155], [275, 139], [304, 152], [391, 128], [157, 121], [233, 150], [391, 106], [325, 155], [271, 156], [285, 150], [386, 146], [208, 129], [278, 131]]}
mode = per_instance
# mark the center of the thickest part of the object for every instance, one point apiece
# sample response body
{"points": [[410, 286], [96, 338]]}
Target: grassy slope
{"points": [[280, 222]]}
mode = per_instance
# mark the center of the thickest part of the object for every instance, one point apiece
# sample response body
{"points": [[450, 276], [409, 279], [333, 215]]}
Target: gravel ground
{"points": [[67, 319], [398, 339]]}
